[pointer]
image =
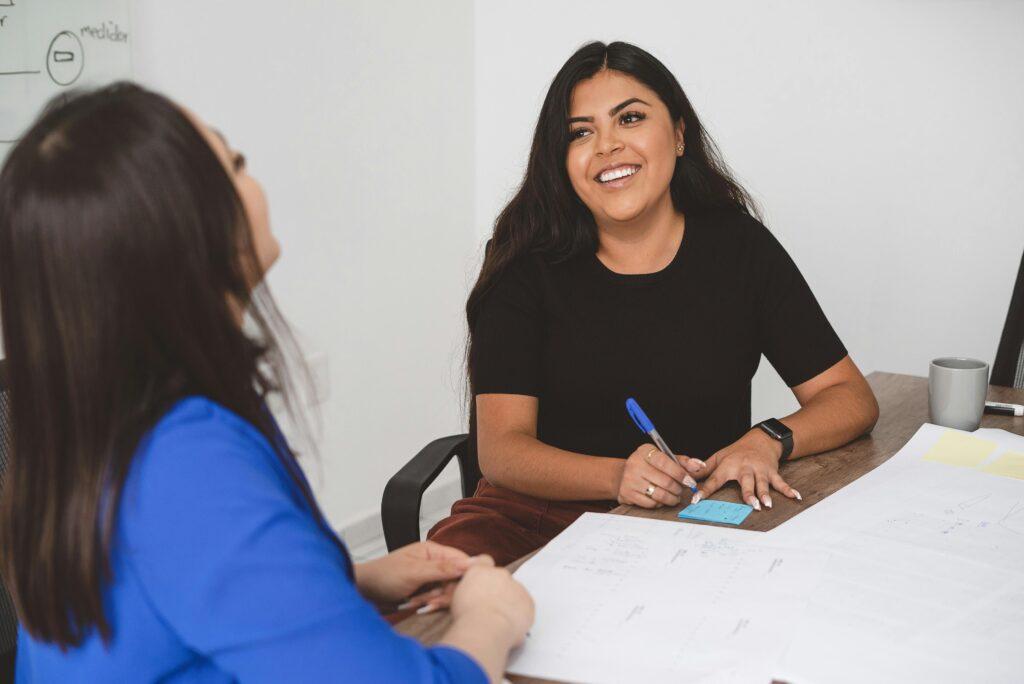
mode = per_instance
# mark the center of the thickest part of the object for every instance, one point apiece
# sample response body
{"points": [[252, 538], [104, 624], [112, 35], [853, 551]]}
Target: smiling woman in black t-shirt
{"points": [[630, 264]]}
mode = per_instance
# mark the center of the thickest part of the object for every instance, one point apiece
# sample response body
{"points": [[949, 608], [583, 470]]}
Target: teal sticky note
{"points": [[711, 510]]}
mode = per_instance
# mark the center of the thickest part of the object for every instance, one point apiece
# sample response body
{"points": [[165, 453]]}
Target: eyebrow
{"points": [[611, 112]]}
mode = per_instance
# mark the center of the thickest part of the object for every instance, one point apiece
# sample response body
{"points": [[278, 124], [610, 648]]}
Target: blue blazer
{"points": [[223, 573]]}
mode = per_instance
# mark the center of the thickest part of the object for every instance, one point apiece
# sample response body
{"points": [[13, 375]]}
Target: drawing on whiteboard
{"points": [[65, 58], [48, 47], [106, 30]]}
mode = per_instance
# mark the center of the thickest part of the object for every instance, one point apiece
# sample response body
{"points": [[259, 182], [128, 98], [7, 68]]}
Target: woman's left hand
{"points": [[396, 576], [753, 461]]}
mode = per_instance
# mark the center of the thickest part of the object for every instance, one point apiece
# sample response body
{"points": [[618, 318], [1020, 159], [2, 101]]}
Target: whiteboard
{"points": [[53, 46]]}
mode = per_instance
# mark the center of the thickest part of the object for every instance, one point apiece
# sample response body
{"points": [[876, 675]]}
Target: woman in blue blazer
{"points": [[154, 524]]}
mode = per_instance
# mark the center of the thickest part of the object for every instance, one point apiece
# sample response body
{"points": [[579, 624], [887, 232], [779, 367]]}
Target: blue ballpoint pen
{"points": [[647, 427]]}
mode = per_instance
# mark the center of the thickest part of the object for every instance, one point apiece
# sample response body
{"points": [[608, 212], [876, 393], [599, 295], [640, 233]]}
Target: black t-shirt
{"points": [[684, 342]]}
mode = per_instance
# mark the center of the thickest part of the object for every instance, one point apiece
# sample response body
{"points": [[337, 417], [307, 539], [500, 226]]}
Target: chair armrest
{"points": [[400, 507]]}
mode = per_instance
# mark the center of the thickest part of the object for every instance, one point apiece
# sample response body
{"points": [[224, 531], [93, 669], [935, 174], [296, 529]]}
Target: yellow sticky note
{"points": [[1007, 465], [959, 449]]}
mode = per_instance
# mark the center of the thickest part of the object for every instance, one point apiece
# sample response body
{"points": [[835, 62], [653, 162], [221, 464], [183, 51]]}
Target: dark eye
{"points": [[578, 133], [632, 117], [239, 161]]}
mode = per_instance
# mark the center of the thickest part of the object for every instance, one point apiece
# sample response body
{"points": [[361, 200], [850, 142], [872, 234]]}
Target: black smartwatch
{"points": [[778, 431]]}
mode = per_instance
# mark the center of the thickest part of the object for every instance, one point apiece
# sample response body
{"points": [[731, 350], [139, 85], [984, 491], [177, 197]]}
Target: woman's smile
{"points": [[617, 176]]}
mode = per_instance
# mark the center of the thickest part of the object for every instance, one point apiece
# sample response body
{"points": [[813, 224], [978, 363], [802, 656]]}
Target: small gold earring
{"points": [[679, 148]]}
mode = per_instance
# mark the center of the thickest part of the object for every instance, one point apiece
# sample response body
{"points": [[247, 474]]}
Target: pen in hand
{"points": [[647, 427]]}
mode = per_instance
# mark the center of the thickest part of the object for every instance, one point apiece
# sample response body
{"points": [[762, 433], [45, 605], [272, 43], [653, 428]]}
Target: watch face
{"points": [[776, 429]]}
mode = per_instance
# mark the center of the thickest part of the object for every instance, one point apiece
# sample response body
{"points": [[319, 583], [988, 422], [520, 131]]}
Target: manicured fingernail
{"points": [[690, 482], [406, 605], [429, 608], [798, 497], [767, 500], [755, 503], [696, 498]]}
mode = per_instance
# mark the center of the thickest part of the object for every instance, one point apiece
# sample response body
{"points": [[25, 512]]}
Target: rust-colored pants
{"points": [[507, 525]]}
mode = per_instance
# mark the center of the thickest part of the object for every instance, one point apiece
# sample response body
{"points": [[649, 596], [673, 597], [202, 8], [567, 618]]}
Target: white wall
{"points": [[358, 119], [883, 139]]}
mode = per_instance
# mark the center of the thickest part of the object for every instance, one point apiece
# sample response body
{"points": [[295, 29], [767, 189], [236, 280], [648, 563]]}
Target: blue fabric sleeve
{"points": [[230, 558]]}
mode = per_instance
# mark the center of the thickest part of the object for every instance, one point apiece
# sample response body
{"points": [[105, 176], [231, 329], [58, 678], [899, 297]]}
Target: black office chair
{"points": [[8, 617], [1008, 369], [400, 507]]}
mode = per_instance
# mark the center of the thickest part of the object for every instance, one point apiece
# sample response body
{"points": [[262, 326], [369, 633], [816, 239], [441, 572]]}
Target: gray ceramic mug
{"points": [[956, 392]]}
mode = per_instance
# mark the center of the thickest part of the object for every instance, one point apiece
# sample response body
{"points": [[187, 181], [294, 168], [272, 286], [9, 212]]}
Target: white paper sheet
{"points": [[623, 599], [925, 580]]}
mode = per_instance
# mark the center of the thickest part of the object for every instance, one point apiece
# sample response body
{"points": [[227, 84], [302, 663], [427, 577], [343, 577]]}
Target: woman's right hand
{"points": [[486, 592], [651, 479]]}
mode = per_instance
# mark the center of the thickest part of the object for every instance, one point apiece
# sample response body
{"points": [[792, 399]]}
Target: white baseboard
{"points": [[368, 529]]}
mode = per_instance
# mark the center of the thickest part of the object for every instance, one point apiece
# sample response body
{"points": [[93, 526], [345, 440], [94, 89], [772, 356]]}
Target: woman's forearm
{"points": [[833, 417], [522, 463], [486, 638], [366, 576]]}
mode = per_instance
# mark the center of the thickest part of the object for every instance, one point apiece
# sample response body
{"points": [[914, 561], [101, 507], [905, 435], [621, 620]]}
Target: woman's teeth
{"points": [[615, 174]]}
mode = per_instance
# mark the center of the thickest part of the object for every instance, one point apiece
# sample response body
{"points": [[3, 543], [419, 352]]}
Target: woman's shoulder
{"points": [[202, 416], [201, 470], [521, 279], [200, 443], [734, 233], [731, 224], [527, 265]]}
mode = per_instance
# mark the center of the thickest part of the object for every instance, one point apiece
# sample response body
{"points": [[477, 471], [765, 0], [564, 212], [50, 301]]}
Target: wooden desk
{"points": [[903, 404]]}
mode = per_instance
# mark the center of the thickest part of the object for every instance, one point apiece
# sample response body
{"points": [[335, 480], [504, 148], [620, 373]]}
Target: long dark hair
{"points": [[546, 216], [125, 258]]}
